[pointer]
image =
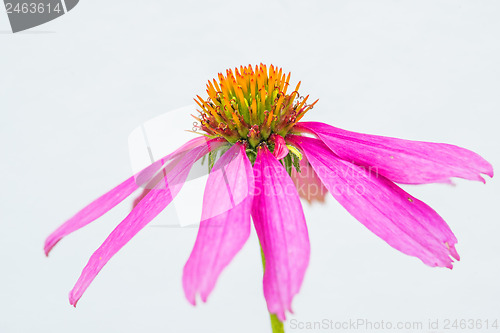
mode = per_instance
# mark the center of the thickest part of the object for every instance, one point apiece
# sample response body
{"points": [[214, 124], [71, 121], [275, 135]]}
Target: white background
{"points": [[72, 90]]}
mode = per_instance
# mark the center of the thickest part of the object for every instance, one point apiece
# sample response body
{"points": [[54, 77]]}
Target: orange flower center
{"points": [[251, 104]]}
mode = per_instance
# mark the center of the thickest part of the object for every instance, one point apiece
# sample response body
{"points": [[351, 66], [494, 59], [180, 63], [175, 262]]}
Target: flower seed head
{"points": [[251, 104]]}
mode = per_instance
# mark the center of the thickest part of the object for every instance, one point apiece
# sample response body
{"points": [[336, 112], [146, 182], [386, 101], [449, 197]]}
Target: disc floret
{"points": [[251, 104]]}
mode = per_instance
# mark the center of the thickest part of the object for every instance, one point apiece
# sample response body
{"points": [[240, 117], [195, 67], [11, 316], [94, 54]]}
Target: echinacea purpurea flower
{"points": [[261, 154]]}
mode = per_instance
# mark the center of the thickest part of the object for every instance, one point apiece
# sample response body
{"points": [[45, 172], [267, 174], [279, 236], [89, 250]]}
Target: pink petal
{"points": [[148, 173], [402, 161], [91, 212], [225, 224], [280, 224], [308, 185], [112, 198], [280, 148], [404, 222], [140, 197], [151, 205]]}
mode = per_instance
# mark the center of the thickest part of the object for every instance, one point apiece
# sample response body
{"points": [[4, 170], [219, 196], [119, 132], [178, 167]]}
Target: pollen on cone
{"points": [[251, 103]]}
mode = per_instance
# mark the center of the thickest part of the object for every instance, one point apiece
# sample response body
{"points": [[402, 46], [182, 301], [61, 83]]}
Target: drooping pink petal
{"points": [[280, 148], [308, 185], [140, 196], [404, 222], [90, 213], [148, 173], [225, 224], [280, 224], [402, 161], [103, 204], [149, 207]]}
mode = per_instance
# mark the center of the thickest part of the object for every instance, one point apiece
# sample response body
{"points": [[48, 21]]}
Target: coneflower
{"points": [[262, 160]]}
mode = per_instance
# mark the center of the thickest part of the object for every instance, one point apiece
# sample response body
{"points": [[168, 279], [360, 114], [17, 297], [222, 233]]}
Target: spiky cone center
{"points": [[250, 104]]}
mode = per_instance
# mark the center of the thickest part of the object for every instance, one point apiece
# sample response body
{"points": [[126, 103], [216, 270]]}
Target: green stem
{"points": [[276, 324]]}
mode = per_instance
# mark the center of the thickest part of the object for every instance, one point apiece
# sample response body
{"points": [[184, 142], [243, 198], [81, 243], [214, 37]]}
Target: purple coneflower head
{"points": [[267, 160]]}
